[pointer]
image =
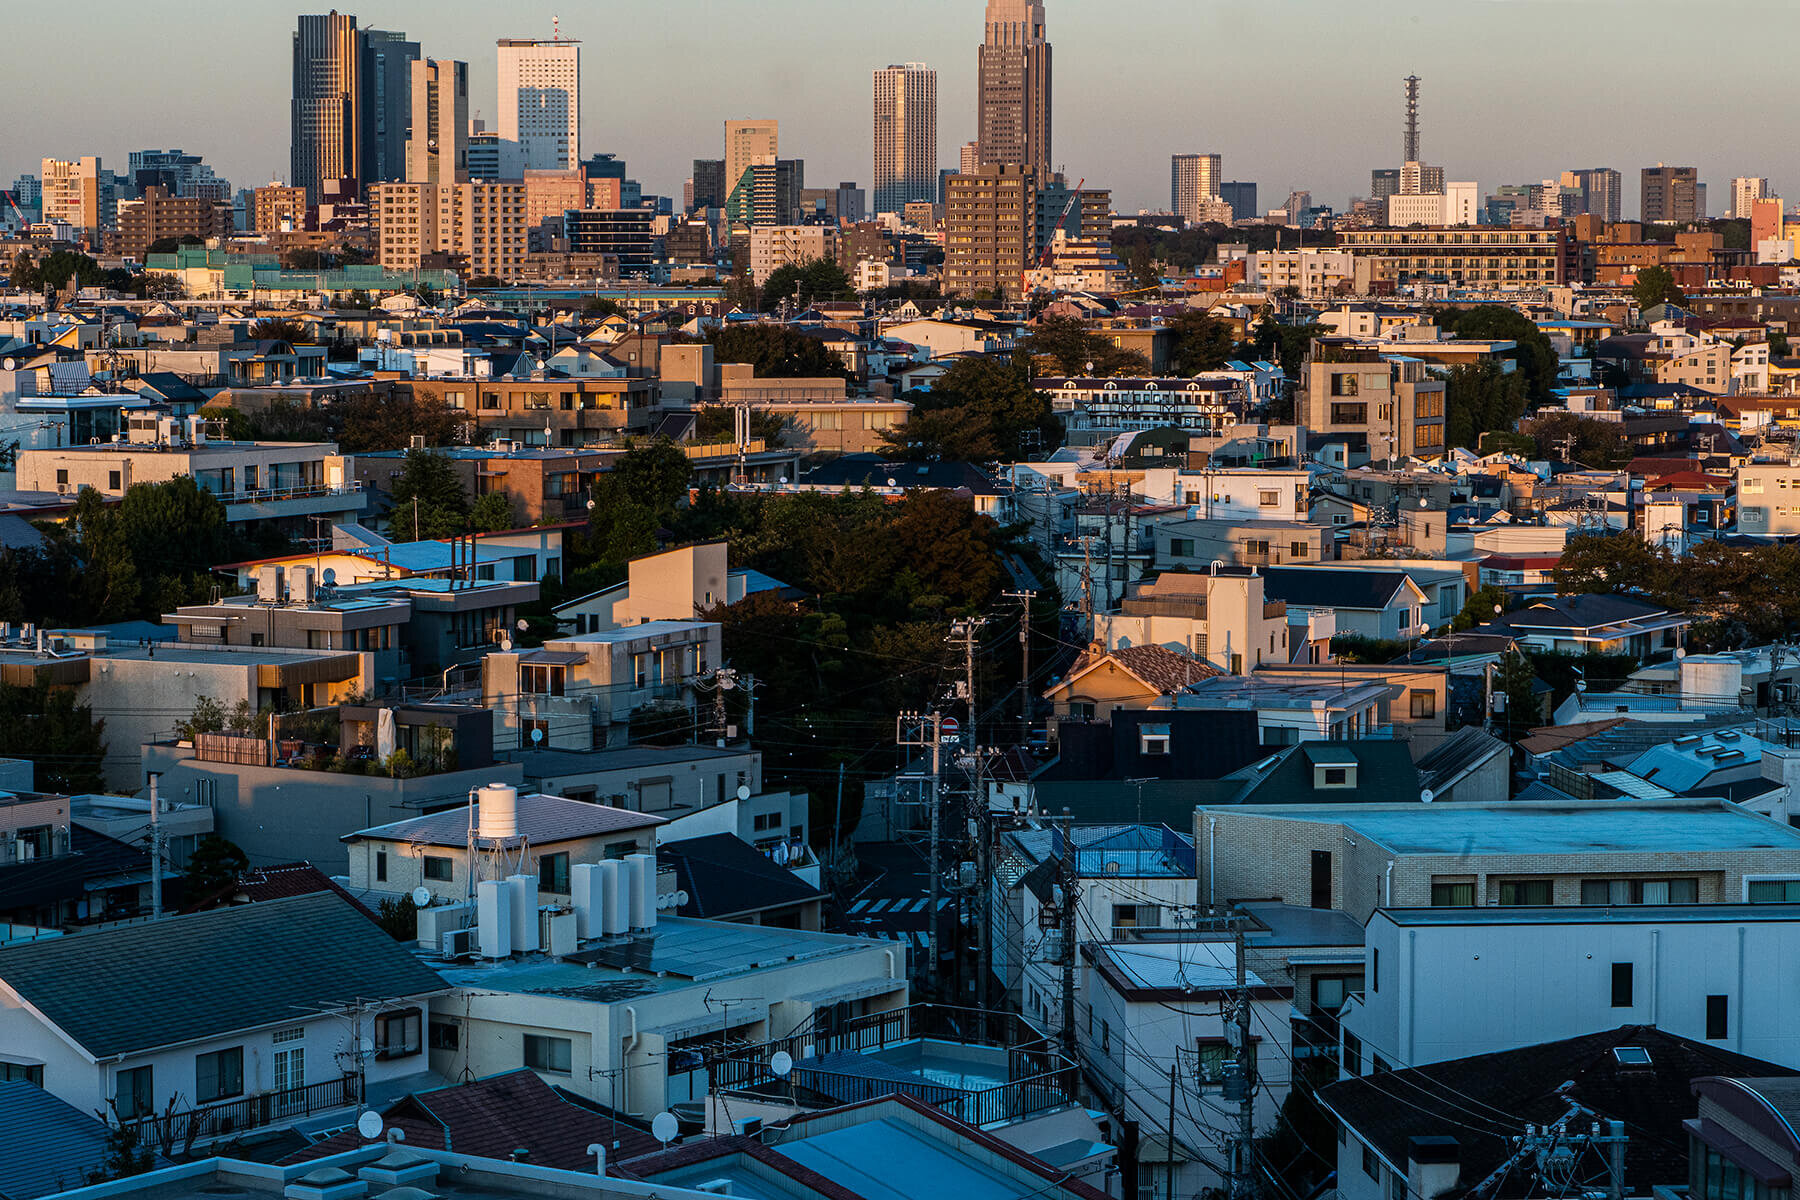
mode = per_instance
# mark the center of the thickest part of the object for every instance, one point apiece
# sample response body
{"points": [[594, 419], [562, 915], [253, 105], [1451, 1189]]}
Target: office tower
{"points": [[990, 223], [768, 193], [437, 145], [484, 152], [1193, 181], [1242, 198], [1700, 209], [906, 149], [540, 104], [709, 184], [748, 143], [183, 174], [1409, 139], [1668, 194], [1600, 191], [27, 191], [326, 128], [1384, 182], [1013, 122], [849, 201], [71, 193], [1745, 192], [384, 104], [1417, 179], [968, 158]]}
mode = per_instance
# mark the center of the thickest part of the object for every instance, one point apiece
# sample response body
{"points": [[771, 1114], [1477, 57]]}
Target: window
{"points": [[1375, 969], [1297, 550], [219, 1075], [618, 851], [1424, 704], [552, 1055], [1135, 916], [1336, 776], [112, 481], [1453, 895], [1210, 1060], [1153, 740], [1525, 891], [1370, 1164], [553, 873], [1640, 891], [134, 1091], [381, 866], [1352, 1054], [1774, 891], [1396, 1186], [397, 1034], [1105, 1038], [1181, 547], [1718, 1010], [438, 868], [445, 1035], [1621, 985], [1268, 498]]}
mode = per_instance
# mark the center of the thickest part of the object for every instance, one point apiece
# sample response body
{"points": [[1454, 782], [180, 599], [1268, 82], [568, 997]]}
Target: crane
{"points": [[1043, 259]]}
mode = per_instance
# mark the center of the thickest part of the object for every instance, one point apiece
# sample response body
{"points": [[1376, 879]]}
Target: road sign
{"points": [[950, 727]]}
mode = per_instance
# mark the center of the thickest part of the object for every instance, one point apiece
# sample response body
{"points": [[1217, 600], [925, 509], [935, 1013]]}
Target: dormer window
{"points": [[1336, 775]]}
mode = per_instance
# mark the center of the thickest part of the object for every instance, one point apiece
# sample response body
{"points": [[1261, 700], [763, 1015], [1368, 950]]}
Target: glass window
{"points": [[397, 1033], [1621, 985], [445, 1035], [1424, 704], [1525, 891], [437, 868], [1718, 1024], [1370, 1164], [1774, 891], [1453, 895], [553, 873], [219, 1075], [553, 1055], [31, 1073]]}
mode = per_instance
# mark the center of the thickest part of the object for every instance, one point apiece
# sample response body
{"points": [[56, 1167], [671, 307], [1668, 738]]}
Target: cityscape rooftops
{"points": [[542, 820]]}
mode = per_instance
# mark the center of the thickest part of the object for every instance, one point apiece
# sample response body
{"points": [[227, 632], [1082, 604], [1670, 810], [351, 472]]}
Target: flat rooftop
{"points": [[179, 652], [1184, 965], [630, 633], [1531, 827], [1625, 914]]}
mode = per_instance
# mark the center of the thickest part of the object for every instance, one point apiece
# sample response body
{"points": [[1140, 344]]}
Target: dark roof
{"points": [[137, 987], [1389, 1110], [49, 1145], [542, 820], [492, 1117], [1323, 587], [1384, 774], [1574, 612], [871, 470], [1168, 802], [725, 876], [1164, 670], [1457, 755]]}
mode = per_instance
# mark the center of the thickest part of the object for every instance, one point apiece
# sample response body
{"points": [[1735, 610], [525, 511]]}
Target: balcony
{"points": [[229, 1118], [985, 1068]]}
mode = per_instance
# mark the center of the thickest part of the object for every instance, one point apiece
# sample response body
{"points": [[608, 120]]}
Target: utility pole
{"points": [[920, 730], [1024, 598], [1069, 900], [156, 856], [1242, 1078], [1169, 1147]]}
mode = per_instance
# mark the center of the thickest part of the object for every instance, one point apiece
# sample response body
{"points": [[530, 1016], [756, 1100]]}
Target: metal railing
{"points": [[230, 1117]]}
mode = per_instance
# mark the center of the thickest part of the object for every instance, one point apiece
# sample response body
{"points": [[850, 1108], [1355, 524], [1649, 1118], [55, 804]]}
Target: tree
{"points": [[804, 283], [1483, 606], [127, 1154], [1479, 397], [1067, 346], [654, 472], [600, 306], [373, 421], [1201, 343], [1515, 679], [215, 866], [979, 409], [428, 498], [483, 282], [1537, 361], [1656, 285], [1610, 563], [1566, 437], [491, 514], [208, 717], [776, 352], [398, 917], [48, 727]]}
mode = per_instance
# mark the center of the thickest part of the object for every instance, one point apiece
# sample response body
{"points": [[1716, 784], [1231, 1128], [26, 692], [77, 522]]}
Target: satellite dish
{"points": [[1680, 652], [743, 792], [369, 1125], [781, 1062], [681, 899], [506, 643], [10, 364], [421, 896], [665, 1127], [890, 481], [522, 625], [329, 577], [1427, 796]]}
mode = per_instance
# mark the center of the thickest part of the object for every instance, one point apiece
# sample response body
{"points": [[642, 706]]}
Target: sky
{"points": [[1293, 93]]}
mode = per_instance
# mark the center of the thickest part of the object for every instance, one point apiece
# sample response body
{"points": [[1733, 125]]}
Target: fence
{"points": [[245, 1113]]}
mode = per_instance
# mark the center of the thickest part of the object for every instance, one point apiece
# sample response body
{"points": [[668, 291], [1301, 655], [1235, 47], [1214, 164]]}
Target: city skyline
{"points": [[233, 109]]}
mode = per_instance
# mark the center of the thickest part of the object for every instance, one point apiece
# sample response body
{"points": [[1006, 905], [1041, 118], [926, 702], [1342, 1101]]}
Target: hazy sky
{"points": [[1294, 93]]}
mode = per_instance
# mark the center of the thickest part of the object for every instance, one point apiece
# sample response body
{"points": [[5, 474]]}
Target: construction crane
{"points": [[1043, 259], [17, 211]]}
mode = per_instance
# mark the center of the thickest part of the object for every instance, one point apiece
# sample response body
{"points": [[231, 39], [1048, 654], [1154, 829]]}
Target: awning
{"points": [[849, 991], [1768, 1172], [677, 1031], [554, 658], [333, 668]]}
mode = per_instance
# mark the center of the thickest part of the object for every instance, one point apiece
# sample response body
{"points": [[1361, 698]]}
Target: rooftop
{"points": [[543, 820], [1631, 914]]}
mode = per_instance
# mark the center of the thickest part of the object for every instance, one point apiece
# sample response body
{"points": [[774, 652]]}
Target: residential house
{"points": [[1219, 617], [1381, 605], [1101, 681], [1595, 624], [673, 585]]}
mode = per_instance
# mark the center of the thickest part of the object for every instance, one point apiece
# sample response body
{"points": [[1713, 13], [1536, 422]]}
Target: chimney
{"points": [[1433, 1165]]}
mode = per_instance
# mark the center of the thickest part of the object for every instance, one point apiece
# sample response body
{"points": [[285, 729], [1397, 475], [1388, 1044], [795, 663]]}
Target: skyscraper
{"points": [[437, 145], [1745, 192], [1241, 195], [540, 104], [906, 151], [1013, 122], [1669, 194], [747, 144], [384, 104], [326, 127], [1601, 189], [1193, 180]]}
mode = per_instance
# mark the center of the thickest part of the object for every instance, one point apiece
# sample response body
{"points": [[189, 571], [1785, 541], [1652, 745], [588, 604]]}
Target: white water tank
{"points": [[524, 912], [615, 914], [493, 919], [640, 879], [586, 897], [497, 812]]}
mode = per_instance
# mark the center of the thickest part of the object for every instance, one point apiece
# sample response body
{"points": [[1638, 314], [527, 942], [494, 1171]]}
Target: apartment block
{"points": [[437, 146], [1490, 259], [990, 229], [1382, 409], [71, 193], [277, 208], [1669, 194], [157, 215], [480, 225], [775, 246], [906, 151]]}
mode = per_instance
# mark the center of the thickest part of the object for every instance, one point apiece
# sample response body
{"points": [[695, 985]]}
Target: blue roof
{"points": [[49, 1145], [890, 1160], [425, 556], [756, 581]]}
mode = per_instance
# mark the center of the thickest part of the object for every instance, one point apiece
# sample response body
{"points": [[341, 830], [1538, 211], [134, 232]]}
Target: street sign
{"points": [[950, 727]]}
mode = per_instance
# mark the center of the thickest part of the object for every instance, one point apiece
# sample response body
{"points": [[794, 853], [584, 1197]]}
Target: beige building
{"points": [[1193, 184], [437, 145], [550, 194], [482, 224], [1215, 618], [775, 246], [1013, 99], [906, 146], [990, 230], [277, 208], [540, 104], [749, 143], [1768, 498], [1317, 274], [1476, 258], [1708, 368], [71, 193], [1383, 409]]}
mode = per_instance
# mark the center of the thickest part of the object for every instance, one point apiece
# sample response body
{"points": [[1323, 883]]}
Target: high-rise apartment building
{"points": [[481, 224], [1013, 122], [1418, 179], [276, 207], [326, 128], [748, 143], [906, 146], [1194, 180], [1745, 192], [540, 105], [157, 215], [71, 193], [1669, 194], [385, 104], [1601, 189], [437, 145], [990, 229], [768, 193], [968, 158]]}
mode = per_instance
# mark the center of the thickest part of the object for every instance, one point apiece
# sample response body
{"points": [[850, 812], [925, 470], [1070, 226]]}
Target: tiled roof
{"points": [[116, 991], [49, 1145], [542, 820], [1158, 667], [492, 1117]]}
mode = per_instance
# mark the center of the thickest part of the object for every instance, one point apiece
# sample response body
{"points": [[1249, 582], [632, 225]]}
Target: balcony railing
{"points": [[231, 1117]]}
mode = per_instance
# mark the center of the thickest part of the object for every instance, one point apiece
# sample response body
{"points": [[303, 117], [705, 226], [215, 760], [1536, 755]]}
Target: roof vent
{"points": [[1632, 1056], [1688, 739]]}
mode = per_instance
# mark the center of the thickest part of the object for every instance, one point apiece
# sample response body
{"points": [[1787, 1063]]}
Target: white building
{"points": [[1445, 983], [1230, 495], [540, 105], [906, 142]]}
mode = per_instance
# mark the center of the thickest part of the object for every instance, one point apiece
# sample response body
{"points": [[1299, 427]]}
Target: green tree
{"points": [[1567, 437], [109, 586], [1656, 285], [776, 352], [1479, 397], [127, 1153], [979, 409], [1515, 679], [208, 717], [1538, 364], [1067, 346], [429, 500], [804, 283], [1610, 563], [491, 514], [1483, 605], [377, 421], [600, 306], [1201, 343], [215, 866], [654, 472], [398, 917], [59, 735]]}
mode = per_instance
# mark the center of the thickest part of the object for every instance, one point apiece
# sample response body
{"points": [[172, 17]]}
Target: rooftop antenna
{"points": [[555, 28], [1410, 144]]}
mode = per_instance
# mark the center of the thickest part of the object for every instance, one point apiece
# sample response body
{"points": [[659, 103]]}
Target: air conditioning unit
{"points": [[458, 943]]}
